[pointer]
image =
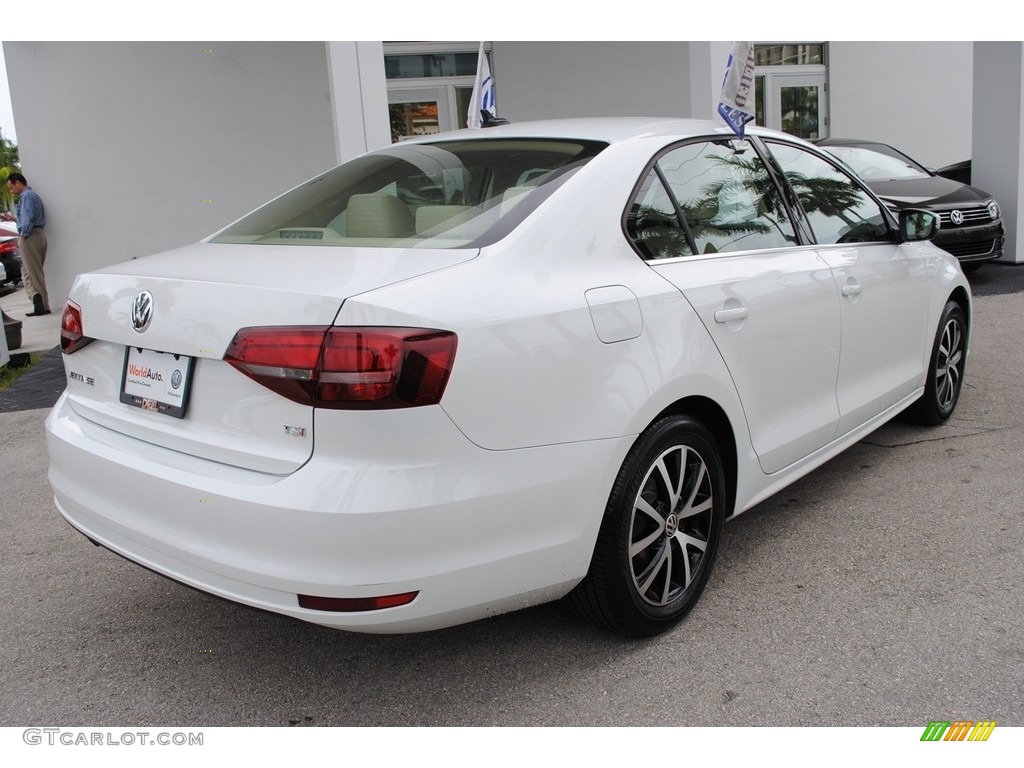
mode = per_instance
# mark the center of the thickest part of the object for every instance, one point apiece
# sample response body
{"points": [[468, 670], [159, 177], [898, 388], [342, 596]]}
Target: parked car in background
{"points": [[971, 227], [503, 366], [10, 258]]}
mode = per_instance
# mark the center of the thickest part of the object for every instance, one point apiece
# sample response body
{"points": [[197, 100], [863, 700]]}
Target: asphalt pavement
{"points": [[882, 589]]}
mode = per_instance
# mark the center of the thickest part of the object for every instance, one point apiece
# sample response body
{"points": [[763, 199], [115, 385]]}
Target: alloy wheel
{"points": [[670, 525]]}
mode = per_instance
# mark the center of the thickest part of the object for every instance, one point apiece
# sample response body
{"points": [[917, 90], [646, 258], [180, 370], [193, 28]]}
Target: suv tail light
{"points": [[347, 368], [71, 337]]}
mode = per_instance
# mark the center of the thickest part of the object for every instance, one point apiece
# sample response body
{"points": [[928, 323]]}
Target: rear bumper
{"points": [[474, 532]]}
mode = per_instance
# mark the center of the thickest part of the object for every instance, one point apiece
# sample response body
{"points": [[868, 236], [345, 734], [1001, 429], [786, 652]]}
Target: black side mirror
{"points": [[916, 224]]}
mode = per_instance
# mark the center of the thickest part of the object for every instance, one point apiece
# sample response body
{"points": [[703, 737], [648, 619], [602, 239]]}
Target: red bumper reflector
{"points": [[355, 604]]}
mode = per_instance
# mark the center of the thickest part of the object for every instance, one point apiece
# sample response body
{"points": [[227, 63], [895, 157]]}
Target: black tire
{"points": [[945, 369], [660, 531]]}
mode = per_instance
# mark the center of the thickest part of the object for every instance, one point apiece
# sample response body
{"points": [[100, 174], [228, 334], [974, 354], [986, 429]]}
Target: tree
{"points": [[9, 163]]}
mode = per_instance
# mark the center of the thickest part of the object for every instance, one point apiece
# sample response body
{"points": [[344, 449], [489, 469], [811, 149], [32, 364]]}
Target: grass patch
{"points": [[9, 374]]}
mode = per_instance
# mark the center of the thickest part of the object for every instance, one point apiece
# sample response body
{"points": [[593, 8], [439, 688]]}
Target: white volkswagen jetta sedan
{"points": [[503, 366]]}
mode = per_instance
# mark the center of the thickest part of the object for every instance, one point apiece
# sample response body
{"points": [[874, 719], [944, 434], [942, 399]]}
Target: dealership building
{"points": [[142, 147]]}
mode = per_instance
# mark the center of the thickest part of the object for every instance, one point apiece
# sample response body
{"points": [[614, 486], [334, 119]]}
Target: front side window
{"points": [[450, 194], [837, 208], [708, 197]]}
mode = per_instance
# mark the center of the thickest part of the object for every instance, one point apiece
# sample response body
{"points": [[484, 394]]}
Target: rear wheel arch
{"points": [[712, 416]]}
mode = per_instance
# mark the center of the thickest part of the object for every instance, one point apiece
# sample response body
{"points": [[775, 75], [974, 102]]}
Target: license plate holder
{"points": [[156, 381]]}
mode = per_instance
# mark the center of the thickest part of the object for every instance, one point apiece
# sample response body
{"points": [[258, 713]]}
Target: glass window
{"points": [[413, 118], [759, 106], [415, 65], [838, 209], [800, 106], [789, 54], [653, 224], [727, 198], [448, 194]]}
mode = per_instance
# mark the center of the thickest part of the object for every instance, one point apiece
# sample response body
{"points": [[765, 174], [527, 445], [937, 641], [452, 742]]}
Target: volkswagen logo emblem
{"points": [[957, 217], [142, 311]]}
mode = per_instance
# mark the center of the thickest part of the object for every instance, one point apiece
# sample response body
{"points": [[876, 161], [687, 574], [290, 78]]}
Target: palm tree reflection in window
{"points": [[839, 210], [741, 209], [707, 198], [653, 222], [715, 197]]}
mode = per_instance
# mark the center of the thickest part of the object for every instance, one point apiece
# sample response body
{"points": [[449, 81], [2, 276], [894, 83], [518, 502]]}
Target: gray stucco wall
{"points": [[141, 147], [998, 139], [537, 80], [915, 96]]}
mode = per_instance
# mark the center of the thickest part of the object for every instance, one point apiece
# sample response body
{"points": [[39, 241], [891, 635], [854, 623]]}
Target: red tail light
{"points": [[71, 337], [9, 246], [352, 368]]}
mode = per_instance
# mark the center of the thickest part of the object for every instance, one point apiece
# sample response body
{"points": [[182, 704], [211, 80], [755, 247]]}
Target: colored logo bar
{"points": [[958, 730]]}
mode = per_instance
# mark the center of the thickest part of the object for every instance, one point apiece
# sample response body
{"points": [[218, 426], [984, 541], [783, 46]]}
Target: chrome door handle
{"points": [[851, 290], [736, 313]]}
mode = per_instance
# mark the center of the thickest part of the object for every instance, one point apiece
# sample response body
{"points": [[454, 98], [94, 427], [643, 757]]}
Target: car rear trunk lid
{"points": [[200, 297]]}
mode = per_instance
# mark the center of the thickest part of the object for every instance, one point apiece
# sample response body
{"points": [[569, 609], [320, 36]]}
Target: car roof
{"points": [[607, 129]]}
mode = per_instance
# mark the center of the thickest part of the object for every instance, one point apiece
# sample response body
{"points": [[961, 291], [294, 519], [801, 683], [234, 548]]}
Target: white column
{"points": [[997, 144], [707, 68], [359, 97]]}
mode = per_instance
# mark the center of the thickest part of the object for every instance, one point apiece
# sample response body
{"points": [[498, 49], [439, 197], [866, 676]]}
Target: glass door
{"points": [[794, 103], [419, 112]]}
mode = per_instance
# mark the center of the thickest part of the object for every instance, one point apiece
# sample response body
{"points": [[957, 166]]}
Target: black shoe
{"points": [[37, 307]]}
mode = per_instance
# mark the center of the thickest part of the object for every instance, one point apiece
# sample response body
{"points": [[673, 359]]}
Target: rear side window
{"points": [[708, 197], [444, 195], [838, 209]]}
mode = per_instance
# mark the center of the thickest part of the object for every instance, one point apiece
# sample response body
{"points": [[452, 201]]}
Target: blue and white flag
{"points": [[736, 104], [482, 99]]}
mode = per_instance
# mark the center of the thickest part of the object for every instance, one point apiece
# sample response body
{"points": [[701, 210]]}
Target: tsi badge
{"points": [[142, 311]]}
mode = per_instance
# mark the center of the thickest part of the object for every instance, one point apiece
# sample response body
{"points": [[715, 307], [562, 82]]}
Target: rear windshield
{"points": [[451, 194]]}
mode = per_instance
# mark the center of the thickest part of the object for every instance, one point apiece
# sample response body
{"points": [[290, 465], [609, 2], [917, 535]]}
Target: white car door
{"points": [[884, 286], [709, 219]]}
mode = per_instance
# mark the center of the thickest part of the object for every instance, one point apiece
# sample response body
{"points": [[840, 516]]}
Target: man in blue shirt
{"points": [[31, 219]]}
